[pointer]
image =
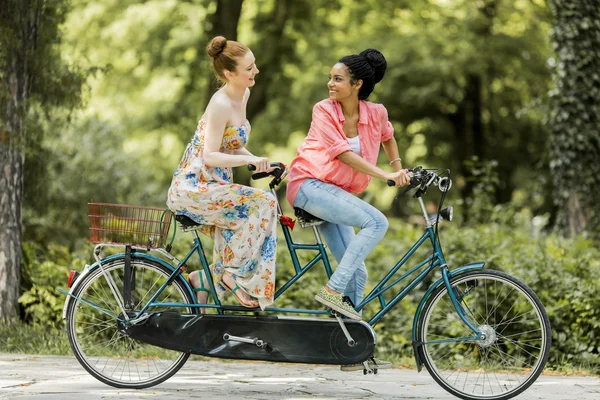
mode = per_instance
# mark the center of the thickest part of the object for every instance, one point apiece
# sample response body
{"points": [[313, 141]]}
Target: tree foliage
{"points": [[464, 79]]}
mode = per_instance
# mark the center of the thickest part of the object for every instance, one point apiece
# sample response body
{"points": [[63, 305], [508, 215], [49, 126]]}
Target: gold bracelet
{"points": [[395, 159]]}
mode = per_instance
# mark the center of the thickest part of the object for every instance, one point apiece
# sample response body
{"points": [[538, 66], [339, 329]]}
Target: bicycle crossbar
{"points": [[241, 308]]}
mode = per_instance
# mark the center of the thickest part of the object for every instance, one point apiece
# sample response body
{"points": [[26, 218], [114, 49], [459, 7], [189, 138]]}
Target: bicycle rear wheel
{"points": [[99, 342], [517, 336]]}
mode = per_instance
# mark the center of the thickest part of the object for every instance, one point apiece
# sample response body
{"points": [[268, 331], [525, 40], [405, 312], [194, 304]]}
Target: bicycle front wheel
{"points": [[513, 352], [97, 338]]}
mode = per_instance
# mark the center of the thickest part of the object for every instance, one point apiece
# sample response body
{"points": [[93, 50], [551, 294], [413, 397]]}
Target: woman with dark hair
{"points": [[242, 220], [336, 161]]}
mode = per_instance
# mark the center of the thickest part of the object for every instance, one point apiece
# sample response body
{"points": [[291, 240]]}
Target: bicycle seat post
{"points": [[317, 235]]}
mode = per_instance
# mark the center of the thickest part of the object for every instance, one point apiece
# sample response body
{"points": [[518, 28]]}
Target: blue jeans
{"points": [[344, 212]]}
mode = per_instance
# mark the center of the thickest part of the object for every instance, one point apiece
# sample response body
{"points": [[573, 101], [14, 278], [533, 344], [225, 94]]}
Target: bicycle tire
{"points": [[513, 338], [127, 353]]}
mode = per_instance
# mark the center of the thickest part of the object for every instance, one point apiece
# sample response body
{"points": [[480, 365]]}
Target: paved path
{"points": [[52, 377]]}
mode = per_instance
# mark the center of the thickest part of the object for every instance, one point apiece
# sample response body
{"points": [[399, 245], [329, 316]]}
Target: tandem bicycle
{"points": [[132, 317]]}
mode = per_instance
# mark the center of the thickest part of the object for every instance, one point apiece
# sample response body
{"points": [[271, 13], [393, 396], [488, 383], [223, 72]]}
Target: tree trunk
{"points": [[468, 123], [15, 91], [474, 145], [575, 115], [28, 49], [272, 52], [12, 160], [461, 150], [475, 105]]}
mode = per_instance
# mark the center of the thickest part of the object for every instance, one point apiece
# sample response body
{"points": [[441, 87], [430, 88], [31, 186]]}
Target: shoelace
{"points": [[347, 300]]}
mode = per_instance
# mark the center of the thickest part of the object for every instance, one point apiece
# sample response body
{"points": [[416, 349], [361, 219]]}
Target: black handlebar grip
{"points": [[391, 182], [251, 167], [260, 175]]}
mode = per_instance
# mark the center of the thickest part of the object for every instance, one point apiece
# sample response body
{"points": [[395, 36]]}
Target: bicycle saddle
{"points": [[306, 219], [185, 221]]}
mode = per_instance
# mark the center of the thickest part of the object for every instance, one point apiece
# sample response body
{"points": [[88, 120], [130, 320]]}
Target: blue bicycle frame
{"points": [[436, 259]]}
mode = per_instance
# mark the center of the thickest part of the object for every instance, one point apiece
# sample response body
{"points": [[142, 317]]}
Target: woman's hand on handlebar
{"points": [[261, 164], [400, 178]]}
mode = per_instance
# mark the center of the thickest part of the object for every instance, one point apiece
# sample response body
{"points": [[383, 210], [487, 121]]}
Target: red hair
{"points": [[224, 54]]}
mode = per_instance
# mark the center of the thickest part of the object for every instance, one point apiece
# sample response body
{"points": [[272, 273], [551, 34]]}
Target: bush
{"points": [[43, 272], [564, 273]]}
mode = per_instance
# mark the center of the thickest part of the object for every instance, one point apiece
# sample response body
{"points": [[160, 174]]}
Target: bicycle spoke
{"points": [[522, 333], [506, 322], [519, 346]]}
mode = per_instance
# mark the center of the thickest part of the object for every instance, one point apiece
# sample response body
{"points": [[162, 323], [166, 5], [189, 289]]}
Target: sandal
{"points": [[200, 298], [246, 302]]}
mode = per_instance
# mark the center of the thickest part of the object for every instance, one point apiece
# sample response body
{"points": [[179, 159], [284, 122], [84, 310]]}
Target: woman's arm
{"points": [[359, 164], [242, 152], [391, 150]]}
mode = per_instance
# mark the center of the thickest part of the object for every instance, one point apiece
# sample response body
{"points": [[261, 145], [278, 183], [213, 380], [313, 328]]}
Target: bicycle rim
{"points": [[516, 344], [100, 346]]}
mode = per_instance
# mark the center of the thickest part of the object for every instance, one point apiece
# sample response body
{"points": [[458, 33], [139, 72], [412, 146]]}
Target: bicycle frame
{"points": [[435, 260]]}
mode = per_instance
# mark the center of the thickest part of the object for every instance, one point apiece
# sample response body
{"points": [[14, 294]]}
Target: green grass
{"points": [[33, 339]]}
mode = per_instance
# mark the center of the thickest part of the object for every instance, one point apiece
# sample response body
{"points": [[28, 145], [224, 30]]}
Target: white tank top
{"points": [[355, 144]]}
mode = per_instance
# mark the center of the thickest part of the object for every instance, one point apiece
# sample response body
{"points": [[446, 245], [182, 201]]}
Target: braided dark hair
{"points": [[369, 66]]}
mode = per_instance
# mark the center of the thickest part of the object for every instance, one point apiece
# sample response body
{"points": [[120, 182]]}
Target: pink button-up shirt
{"points": [[317, 156]]}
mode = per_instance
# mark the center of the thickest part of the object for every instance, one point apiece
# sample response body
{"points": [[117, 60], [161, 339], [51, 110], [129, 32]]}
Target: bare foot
{"points": [[201, 296], [242, 297]]}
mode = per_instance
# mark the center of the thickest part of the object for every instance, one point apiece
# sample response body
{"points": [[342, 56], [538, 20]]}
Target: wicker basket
{"points": [[129, 225]]}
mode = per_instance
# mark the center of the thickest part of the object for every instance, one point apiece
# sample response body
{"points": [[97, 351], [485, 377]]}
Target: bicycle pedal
{"points": [[367, 369], [370, 371]]}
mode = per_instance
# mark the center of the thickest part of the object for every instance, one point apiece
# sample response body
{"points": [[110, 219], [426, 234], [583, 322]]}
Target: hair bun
{"points": [[216, 46], [377, 61]]}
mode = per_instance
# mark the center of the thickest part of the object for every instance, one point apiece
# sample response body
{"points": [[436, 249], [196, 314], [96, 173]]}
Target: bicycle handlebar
{"points": [[276, 165], [277, 173], [424, 178], [419, 177]]}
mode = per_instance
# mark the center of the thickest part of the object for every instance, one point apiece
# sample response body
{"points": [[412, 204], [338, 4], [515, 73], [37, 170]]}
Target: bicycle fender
{"points": [[90, 268], [459, 270]]}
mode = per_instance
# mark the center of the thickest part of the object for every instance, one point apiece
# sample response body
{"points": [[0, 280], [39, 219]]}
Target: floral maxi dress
{"points": [[242, 220]]}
